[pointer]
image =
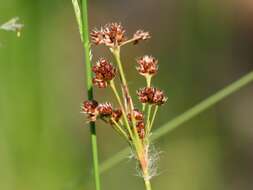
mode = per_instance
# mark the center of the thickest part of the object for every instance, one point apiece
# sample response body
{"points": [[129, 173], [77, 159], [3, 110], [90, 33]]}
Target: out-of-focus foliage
{"points": [[202, 45]]}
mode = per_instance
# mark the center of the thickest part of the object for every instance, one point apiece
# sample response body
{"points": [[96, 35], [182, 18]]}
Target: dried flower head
{"points": [[105, 109], [140, 35], [89, 107], [116, 115], [147, 65], [104, 72], [138, 115], [113, 35], [151, 95]]}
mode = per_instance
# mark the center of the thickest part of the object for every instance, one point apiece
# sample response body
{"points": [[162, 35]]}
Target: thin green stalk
{"points": [[148, 118], [112, 84], [116, 53], [88, 74], [153, 117], [147, 184], [118, 128], [186, 116], [148, 80]]}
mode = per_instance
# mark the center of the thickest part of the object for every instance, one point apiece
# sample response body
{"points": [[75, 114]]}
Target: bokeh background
{"points": [[202, 45]]}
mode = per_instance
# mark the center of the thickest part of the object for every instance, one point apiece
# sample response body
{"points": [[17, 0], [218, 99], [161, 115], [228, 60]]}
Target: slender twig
{"points": [[186, 116], [82, 20]]}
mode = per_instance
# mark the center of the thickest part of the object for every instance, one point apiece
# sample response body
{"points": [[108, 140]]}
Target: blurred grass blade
{"points": [[82, 20], [186, 116], [12, 25], [78, 17]]}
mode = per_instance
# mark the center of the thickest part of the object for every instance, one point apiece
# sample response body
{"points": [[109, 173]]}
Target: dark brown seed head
{"points": [[105, 109], [140, 35], [116, 114], [138, 115], [114, 34], [147, 65], [111, 35], [159, 97], [104, 72], [151, 95], [89, 107]]}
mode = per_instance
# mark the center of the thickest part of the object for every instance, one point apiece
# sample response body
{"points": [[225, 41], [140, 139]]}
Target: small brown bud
{"points": [[151, 95], [89, 107], [104, 109], [140, 35], [138, 115], [147, 65], [104, 72]]}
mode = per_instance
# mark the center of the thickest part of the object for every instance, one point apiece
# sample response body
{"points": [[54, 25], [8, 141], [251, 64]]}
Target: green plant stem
{"points": [[88, 74], [153, 117], [148, 118], [184, 117], [147, 184], [116, 53]]}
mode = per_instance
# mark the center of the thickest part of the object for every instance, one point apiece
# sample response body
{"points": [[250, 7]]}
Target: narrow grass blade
{"points": [[82, 20]]}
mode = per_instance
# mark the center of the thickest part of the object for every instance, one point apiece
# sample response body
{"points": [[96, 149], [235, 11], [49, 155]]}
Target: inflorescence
{"points": [[127, 120]]}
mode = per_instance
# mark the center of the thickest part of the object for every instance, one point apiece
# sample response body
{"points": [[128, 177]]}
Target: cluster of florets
{"points": [[113, 34], [147, 65], [93, 110], [104, 73], [151, 95]]}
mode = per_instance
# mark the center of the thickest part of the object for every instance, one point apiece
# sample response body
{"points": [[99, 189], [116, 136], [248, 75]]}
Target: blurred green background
{"points": [[202, 45]]}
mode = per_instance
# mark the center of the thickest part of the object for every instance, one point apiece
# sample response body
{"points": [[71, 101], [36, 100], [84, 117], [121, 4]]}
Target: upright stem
{"points": [[88, 73], [147, 184]]}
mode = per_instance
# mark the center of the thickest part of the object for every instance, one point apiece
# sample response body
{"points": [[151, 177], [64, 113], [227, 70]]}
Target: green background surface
{"points": [[202, 45]]}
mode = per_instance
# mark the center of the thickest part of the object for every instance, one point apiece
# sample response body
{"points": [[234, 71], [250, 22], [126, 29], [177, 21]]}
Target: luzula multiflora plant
{"points": [[131, 123]]}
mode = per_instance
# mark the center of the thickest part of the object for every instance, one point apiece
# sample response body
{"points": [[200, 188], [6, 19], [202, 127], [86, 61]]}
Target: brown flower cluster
{"points": [[133, 124], [113, 35], [104, 72], [147, 65], [151, 95], [93, 110]]}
